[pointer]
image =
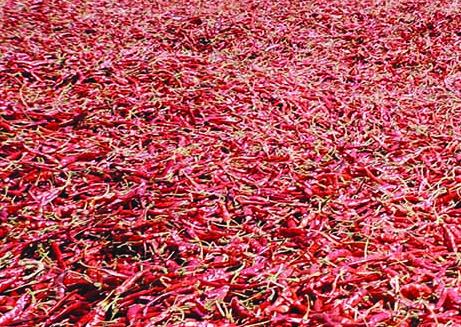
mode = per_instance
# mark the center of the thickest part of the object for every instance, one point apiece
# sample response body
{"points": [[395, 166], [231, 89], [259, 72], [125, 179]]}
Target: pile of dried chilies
{"points": [[230, 163]]}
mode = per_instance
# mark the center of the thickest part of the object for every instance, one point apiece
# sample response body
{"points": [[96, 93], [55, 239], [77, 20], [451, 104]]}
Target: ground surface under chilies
{"points": [[230, 163]]}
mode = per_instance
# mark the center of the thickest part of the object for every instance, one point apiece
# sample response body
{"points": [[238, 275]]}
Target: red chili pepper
{"points": [[5, 284], [449, 239], [94, 318], [450, 195], [16, 312], [78, 305], [58, 254], [4, 125], [413, 291]]}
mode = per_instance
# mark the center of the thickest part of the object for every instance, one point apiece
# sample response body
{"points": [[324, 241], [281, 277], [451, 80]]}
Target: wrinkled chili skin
{"points": [[194, 163]]}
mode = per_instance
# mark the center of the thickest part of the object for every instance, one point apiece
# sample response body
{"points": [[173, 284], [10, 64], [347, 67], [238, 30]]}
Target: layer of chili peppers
{"points": [[230, 163]]}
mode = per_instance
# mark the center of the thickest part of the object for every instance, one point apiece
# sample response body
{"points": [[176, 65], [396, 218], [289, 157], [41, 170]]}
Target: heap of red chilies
{"points": [[230, 163]]}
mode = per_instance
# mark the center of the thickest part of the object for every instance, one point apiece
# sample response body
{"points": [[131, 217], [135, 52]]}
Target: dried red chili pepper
{"points": [[177, 171], [16, 312]]}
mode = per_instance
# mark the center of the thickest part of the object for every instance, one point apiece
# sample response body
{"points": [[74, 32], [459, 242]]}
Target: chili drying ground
{"points": [[203, 163]]}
